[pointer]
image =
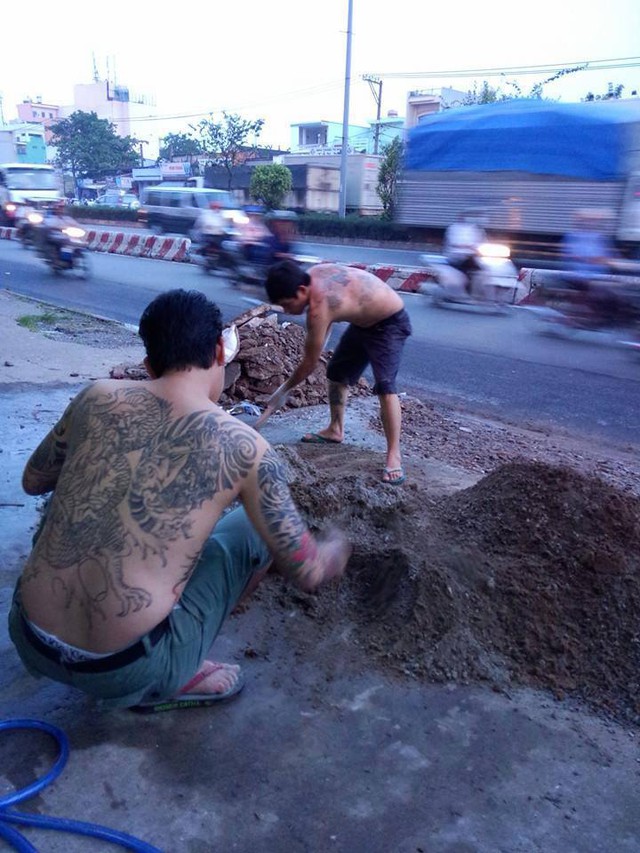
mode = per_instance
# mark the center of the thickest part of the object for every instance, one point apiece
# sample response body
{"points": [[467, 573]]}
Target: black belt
{"points": [[106, 664]]}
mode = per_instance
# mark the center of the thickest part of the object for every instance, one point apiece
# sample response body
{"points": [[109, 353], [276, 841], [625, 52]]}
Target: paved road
{"points": [[497, 364], [347, 253]]}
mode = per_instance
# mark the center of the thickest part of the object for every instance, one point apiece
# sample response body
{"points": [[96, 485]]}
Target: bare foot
{"points": [[213, 678]]}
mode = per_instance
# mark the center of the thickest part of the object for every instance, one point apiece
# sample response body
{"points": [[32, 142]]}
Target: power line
{"points": [[313, 90], [589, 65]]}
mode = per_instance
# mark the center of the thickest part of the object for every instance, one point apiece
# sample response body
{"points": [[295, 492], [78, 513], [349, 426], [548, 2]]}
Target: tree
{"points": [[179, 145], [270, 184], [224, 143], [388, 174], [612, 94], [487, 94], [89, 147]]}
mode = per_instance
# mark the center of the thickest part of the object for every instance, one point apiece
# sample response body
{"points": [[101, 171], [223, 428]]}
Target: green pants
{"points": [[230, 558]]}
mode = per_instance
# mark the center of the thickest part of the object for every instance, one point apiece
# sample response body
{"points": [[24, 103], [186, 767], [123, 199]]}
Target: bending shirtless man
{"points": [[127, 587], [379, 327]]}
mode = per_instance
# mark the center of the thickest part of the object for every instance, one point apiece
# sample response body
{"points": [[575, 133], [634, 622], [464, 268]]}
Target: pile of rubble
{"points": [[269, 353]]}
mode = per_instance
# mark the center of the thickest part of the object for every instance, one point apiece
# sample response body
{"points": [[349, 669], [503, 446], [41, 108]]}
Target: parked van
{"points": [[176, 209]]}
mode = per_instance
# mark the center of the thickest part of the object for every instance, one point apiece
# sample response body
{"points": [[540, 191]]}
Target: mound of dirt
{"points": [[531, 577], [269, 353]]}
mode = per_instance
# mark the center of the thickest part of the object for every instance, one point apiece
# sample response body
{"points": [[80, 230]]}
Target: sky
{"points": [[285, 62]]}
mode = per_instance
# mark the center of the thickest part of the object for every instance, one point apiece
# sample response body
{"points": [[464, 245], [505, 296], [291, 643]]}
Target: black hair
{"points": [[180, 329], [284, 279]]}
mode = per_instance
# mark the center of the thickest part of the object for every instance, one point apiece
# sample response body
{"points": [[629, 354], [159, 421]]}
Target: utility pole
{"points": [[142, 142], [345, 118], [375, 80]]}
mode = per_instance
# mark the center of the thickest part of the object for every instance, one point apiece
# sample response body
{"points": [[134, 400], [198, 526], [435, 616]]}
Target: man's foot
{"points": [[213, 683], [320, 438], [393, 476], [215, 679]]}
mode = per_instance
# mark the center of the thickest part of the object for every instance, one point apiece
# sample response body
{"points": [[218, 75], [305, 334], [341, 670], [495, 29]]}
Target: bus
{"points": [[33, 184]]}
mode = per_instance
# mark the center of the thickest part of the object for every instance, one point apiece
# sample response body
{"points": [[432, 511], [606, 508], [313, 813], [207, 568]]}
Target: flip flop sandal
{"points": [[192, 700]]}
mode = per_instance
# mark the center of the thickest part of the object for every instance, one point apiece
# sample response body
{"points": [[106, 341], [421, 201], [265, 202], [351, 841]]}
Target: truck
{"points": [[31, 184], [529, 166]]}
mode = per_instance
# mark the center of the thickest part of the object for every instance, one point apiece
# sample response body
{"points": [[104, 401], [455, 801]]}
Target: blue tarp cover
{"points": [[585, 140]]}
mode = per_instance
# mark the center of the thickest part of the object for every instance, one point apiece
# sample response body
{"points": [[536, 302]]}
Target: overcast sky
{"points": [[285, 61]]}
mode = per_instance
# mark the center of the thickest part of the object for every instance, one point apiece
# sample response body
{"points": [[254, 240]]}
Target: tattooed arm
{"points": [[43, 468], [305, 559]]}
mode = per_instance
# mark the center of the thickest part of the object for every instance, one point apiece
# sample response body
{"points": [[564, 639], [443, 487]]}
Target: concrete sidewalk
{"points": [[314, 755]]}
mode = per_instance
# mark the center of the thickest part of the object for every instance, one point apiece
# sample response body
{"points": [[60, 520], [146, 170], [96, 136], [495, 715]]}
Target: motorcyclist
{"points": [[54, 221], [276, 243], [461, 241], [589, 254], [211, 228]]}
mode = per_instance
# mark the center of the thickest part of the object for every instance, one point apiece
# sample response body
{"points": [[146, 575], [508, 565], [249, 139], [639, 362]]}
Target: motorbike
{"points": [[64, 248], [492, 288], [231, 258], [571, 306]]}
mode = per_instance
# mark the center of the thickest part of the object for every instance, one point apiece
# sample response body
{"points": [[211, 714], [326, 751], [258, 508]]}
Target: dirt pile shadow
{"points": [[531, 577]]}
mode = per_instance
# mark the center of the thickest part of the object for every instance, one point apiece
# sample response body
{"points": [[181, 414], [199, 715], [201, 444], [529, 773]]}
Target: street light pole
{"points": [[345, 118]]}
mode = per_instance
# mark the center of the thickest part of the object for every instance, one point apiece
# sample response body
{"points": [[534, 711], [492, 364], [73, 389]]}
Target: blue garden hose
{"points": [[8, 816]]}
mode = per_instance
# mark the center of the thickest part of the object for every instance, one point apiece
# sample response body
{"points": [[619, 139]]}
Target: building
{"points": [[115, 103], [325, 137], [425, 102], [22, 142], [37, 112], [110, 101]]}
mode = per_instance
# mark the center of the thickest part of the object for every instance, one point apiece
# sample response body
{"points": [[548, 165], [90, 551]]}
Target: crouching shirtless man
{"points": [[134, 570]]}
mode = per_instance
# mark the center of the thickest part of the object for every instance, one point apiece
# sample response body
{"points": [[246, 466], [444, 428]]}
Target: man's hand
{"points": [[333, 555]]}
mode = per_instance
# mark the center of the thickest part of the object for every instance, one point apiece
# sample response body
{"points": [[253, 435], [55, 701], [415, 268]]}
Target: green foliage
{"points": [[84, 212], [487, 94], [179, 145], [89, 147], [612, 94], [352, 227], [33, 322], [270, 184], [388, 174], [225, 142]]}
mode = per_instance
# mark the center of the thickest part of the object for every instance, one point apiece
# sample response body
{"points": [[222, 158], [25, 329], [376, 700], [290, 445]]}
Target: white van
{"points": [[176, 209]]}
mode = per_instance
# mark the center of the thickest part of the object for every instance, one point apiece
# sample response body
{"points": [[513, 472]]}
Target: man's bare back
{"points": [[346, 294], [135, 569], [118, 546]]}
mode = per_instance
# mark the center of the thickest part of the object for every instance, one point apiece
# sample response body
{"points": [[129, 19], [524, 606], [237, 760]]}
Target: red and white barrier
{"points": [[139, 245]]}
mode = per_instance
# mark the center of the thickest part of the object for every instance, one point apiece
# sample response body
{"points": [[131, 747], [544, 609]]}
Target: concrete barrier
{"points": [[139, 245]]}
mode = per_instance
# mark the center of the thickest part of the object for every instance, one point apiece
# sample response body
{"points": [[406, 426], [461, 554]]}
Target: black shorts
{"points": [[380, 346]]}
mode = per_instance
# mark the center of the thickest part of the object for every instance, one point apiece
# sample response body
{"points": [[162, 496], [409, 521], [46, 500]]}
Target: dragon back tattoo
{"points": [[134, 475]]}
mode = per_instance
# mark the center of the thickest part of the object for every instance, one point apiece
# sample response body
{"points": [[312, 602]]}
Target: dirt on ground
{"points": [[531, 576]]}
